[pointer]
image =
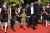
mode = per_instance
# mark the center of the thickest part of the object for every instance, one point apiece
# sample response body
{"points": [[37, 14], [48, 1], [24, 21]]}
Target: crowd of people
{"points": [[29, 13]]}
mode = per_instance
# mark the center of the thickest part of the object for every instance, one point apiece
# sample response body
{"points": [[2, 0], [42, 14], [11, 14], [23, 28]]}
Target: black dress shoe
{"points": [[35, 28], [13, 29], [3, 27], [21, 26], [28, 26], [36, 25], [24, 28]]}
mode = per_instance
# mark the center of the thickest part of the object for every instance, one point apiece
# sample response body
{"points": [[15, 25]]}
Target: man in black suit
{"points": [[30, 14], [37, 8]]}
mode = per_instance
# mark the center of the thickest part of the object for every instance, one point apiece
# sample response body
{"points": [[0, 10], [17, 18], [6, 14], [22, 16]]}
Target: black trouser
{"points": [[13, 21], [31, 21], [37, 18], [0, 19]]}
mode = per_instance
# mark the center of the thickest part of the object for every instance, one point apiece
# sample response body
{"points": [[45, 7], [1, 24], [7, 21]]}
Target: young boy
{"points": [[23, 18]]}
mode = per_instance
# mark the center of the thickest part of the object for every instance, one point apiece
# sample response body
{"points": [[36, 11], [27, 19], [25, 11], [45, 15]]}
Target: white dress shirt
{"points": [[32, 10]]}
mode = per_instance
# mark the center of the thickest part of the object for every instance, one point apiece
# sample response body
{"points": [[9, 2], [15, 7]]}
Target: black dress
{"points": [[46, 17], [4, 14], [49, 13], [0, 17]]}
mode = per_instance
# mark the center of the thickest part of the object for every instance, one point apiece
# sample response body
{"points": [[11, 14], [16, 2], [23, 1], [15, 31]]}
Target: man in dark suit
{"points": [[37, 8], [30, 14]]}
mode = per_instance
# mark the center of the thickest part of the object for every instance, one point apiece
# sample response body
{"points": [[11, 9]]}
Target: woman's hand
{"points": [[18, 16], [10, 17], [47, 14]]}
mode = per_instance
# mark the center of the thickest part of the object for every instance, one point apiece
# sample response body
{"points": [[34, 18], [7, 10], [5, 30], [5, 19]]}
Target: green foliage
{"points": [[16, 1], [1, 1], [22, 1], [35, 2], [44, 2]]}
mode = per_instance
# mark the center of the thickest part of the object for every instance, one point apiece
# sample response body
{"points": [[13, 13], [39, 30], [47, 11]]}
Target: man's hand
{"points": [[29, 16], [34, 16]]}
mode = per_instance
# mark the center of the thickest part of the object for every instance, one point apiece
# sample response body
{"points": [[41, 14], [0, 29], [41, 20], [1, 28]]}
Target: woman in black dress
{"points": [[13, 13], [47, 13], [43, 15], [4, 13]]}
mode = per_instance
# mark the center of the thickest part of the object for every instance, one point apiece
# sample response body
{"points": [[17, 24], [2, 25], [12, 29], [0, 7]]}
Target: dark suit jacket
{"points": [[29, 11], [37, 9]]}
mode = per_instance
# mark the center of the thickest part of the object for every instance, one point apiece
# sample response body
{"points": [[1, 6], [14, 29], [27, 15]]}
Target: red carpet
{"points": [[40, 29]]}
